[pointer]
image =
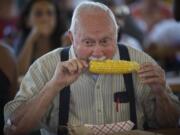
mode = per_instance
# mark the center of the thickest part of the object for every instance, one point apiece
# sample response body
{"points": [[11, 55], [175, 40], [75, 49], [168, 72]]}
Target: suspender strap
{"points": [[64, 101], [124, 55]]}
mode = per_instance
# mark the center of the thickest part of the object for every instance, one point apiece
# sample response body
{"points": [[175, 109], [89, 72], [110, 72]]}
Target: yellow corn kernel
{"points": [[113, 66]]}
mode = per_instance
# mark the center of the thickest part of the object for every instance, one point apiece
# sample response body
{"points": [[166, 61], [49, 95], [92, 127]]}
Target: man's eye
{"points": [[104, 41], [87, 42]]}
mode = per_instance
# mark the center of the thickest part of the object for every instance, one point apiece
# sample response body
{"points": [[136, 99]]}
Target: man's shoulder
{"points": [[139, 55], [48, 61], [53, 52], [43, 68], [52, 55]]}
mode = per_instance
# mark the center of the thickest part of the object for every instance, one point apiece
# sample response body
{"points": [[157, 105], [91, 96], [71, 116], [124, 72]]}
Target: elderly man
{"points": [[93, 33]]}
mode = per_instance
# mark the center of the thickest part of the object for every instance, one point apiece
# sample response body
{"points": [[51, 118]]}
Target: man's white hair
{"points": [[91, 7]]}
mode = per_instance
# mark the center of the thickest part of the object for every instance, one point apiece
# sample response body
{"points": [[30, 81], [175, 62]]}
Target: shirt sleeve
{"points": [[144, 96], [39, 73]]}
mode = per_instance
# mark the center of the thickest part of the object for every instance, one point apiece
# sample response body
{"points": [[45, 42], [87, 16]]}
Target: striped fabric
{"points": [[92, 101]]}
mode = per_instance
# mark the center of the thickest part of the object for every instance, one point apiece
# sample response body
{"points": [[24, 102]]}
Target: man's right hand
{"points": [[67, 72]]}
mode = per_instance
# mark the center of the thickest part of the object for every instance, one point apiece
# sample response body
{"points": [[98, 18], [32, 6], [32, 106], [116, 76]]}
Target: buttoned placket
{"points": [[99, 103]]}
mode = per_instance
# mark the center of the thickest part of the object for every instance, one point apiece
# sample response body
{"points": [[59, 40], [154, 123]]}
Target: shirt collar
{"points": [[72, 53]]}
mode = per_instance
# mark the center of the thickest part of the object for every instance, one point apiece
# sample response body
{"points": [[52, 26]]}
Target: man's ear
{"points": [[70, 35]]}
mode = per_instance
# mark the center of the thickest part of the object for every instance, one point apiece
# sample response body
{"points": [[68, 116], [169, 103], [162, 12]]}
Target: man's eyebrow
{"points": [[87, 38], [106, 37]]}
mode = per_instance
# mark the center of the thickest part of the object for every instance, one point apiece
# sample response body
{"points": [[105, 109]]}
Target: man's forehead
{"points": [[93, 14], [94, 22], [95, 19]]}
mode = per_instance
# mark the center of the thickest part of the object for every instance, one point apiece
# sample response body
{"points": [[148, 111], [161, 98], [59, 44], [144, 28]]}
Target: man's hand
{"points": [[68, 71], [154, 76]]}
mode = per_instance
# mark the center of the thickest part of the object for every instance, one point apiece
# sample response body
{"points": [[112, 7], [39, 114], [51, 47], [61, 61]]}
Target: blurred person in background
{"points": [[8, 18], [66, 10], [8, 79], [128, 32], [127, 2], [150, 12], [163, 44], [41, 31]]}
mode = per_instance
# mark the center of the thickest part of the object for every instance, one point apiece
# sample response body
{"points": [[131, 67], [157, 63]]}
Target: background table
{"points": [[174, 83]]}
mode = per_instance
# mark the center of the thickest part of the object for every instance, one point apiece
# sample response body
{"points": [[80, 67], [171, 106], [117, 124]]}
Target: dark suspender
{"points": [[64, 101], [65, 93], [124, 55]]}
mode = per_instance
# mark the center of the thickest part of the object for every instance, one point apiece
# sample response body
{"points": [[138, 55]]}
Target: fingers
{"points": [[152, 80], [151, 74], [74, 66]]}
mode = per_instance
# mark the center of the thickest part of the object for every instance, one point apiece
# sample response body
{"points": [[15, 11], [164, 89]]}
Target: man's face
{"points": [[94, 37]]}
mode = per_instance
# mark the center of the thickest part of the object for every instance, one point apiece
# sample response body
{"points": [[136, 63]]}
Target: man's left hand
{"points": [[154, 76]]}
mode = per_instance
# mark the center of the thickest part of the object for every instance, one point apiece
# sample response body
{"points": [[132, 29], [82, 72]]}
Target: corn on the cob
{"points": [[113, 66]]}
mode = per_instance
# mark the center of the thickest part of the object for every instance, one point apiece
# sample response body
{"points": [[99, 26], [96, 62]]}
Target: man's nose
{"points": [[97, 51]]}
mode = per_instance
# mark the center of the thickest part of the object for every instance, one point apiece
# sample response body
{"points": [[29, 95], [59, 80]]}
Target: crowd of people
{"points": [[35, 68]]}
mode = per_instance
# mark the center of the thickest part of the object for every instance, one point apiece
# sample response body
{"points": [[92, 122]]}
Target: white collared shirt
{"points": [[91, 102]]}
